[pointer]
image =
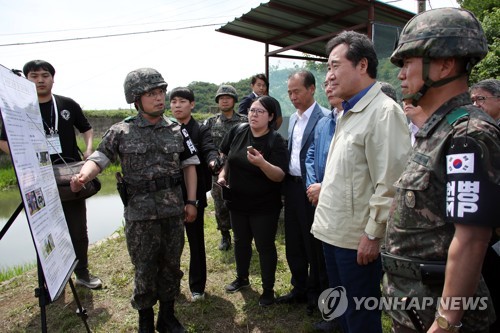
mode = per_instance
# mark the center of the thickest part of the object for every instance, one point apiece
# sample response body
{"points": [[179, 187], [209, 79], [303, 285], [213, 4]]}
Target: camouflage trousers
{"points": [[474, 321], [221, 210], [155, 248]]}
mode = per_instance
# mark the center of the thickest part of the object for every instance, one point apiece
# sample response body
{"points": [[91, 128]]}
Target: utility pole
{"points": [[421, 6]]}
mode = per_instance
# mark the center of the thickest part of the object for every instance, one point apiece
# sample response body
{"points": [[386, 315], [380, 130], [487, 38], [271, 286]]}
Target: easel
{"points": [[41, 292]]}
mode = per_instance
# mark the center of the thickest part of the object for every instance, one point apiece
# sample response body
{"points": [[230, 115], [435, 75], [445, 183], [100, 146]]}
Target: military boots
{"points": [[146, 321], [167, 323], [225, 242]]}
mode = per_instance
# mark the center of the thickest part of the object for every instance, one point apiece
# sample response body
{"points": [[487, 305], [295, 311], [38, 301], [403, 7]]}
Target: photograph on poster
{"points": [[35, 200], [48, 246]]}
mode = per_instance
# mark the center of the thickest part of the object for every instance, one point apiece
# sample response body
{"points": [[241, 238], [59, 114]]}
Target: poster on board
{"points": [[31, 160]]}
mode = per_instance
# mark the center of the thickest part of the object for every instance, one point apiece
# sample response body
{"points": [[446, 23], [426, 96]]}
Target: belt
{"points": [[155, 184], [295, 179], [429, 272]]}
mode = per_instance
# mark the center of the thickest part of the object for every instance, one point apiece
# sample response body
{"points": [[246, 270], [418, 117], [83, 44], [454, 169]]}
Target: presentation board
{"points": [[31, 160]]}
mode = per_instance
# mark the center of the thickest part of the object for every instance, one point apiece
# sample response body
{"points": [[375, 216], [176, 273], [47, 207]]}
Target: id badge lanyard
{"points": [[53, 137]]}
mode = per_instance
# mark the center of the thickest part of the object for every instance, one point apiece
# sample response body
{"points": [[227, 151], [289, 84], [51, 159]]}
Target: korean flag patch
{"points": [[469, 192], [460, 163]]}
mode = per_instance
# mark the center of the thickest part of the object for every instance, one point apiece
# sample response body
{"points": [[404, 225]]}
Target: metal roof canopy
{"points": [[306, 26]]}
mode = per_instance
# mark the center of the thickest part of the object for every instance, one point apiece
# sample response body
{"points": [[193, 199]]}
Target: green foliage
{"points": [[120, 113], [489, 67], [488, 12], [387, 72], [7, 177], [204, 93], [479, 7], [279, 78]]}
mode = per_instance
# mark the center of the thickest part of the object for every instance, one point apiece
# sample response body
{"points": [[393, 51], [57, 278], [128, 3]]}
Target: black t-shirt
{"points": [[70, 116], [251, 190]]}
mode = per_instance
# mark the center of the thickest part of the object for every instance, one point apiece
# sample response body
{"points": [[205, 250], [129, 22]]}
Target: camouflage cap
{"points": [[140, 81], [442, 33], [228, 90]]}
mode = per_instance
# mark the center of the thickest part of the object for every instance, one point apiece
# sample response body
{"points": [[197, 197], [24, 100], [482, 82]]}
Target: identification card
{"points": [[54, 144]]}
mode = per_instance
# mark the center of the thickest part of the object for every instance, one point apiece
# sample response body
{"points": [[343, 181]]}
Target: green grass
{"points": [[7, 274], [7, 177]]}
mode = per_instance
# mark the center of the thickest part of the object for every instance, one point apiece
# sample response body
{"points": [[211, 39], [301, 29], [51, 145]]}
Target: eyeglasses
{"points": [[327, 84], [257, 111], [481, 99], [155, 93]]}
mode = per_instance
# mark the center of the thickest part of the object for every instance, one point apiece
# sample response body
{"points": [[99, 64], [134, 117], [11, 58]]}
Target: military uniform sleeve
{"points": [[473, 175], [207, 146], [107, 150]]}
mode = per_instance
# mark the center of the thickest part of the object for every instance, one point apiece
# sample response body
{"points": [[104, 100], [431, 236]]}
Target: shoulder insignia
{"points": [[456, 114], [129, 119]]}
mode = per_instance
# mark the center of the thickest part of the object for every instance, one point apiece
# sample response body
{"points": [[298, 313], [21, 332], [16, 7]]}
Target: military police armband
{"points": [[469, 192], [188, 143]]}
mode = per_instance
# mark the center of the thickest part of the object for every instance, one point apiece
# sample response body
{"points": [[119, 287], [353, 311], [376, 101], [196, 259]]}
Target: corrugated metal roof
{"points": [[306, 25]]}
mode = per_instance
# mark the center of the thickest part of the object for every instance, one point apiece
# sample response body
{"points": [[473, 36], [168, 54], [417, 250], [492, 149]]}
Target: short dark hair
{"points": [[490, 85], [271, 105], [36, 65], [359, 47], [182, 92], [260, 77], [307, 76], [389, 90]]}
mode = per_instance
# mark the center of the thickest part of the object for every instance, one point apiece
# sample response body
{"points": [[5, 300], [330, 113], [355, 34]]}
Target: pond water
{"points": [[104, 216]]}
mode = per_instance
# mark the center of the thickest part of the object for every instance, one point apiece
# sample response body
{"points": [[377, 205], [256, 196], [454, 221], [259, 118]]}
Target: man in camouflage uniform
{"points": [[219, 125], [155, 155], [444, 209]]}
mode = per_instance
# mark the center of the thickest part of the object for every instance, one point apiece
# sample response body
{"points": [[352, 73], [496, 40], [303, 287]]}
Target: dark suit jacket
{"points": [[308, 137], [245, 103]]}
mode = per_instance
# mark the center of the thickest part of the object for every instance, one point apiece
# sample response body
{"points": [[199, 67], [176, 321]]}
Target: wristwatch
{"points": [[370, 237], [192, 202], [444, 324]]}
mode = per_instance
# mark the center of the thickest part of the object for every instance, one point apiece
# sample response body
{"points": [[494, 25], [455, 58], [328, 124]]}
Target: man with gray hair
{"points": [[486, 95]]}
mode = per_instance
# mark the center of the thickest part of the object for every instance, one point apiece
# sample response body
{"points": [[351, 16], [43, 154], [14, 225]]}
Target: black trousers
{"points": [[304, 253], [197, 256], [75, 213], [262, 227]]}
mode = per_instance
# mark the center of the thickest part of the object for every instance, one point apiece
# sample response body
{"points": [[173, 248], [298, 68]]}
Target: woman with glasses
{"points": [[256, 165]]}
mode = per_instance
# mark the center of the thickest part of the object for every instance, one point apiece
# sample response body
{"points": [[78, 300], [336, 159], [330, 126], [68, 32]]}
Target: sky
{"points": [[92, 71]]}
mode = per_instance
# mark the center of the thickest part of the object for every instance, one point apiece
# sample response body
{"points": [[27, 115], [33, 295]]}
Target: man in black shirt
{"points": [[182, 103], [60, 116]]}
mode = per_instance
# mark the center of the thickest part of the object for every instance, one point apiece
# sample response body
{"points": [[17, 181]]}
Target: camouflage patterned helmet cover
{"points": [[228, 90], [140, 81], [442, 33]]}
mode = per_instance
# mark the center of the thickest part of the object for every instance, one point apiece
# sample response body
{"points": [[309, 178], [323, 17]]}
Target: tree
{"points": [[488, 13]]}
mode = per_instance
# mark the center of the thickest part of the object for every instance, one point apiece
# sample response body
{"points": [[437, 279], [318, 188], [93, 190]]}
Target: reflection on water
{"points": [[104, 216]]}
